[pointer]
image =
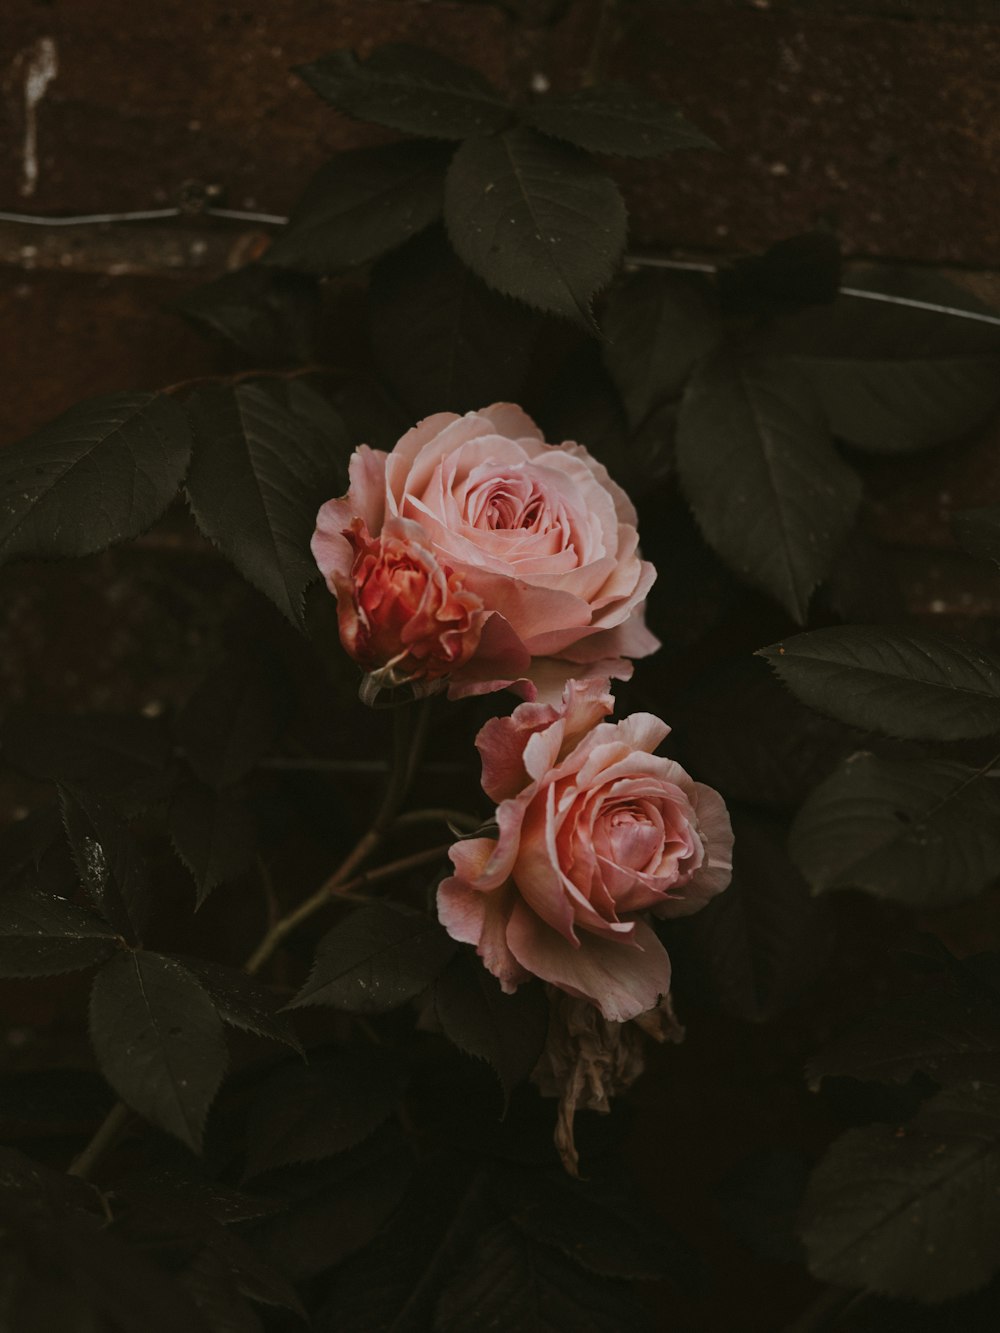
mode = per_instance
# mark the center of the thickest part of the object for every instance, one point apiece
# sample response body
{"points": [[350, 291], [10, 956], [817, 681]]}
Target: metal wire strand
{"points": [[638, 261], [862, 293]]}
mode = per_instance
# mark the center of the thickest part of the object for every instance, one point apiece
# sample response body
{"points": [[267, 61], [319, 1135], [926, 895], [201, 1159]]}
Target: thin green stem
{"points": [[296, 373], [827, 1310], [108, 1134], [336, 888], [603, 31], [409, 735], [459, 819]]}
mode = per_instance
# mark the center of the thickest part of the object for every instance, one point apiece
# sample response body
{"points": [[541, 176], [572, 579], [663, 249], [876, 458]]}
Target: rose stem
{"points": [[408, 743], [107, 1136], [333, 888]]}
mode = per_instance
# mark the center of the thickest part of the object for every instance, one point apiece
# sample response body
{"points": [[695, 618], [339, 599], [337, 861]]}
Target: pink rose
{"points": [[538, 532], [593, 830], [402, 615]]}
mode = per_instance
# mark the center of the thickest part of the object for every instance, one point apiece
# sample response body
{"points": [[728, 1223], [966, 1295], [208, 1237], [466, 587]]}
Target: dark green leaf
{"points": [[945, 1032], [41, 1187], [978, 531], [510, 1281], [241, 1001], [63, 1271], [507, 1031], [176, 1228], [741, 732], [376, 959], [109, 861], [802, 271], [915, 1212], [270, 316], [159, 1041], [232, 719], [254, 1275], [333, 1210], [893, 378], [113, 754], [919, 686], [41, 935], [536, 220], [360, 205], [441, 337], [756, 948], [410, 89], [615, 118], [305, 1113], [394, 1282], [213, 833], [603, 1225], [34, 851], [258, 478], [102, 472], [891, 407], [759, 469], [319, 415], [179, 1180], [924, 833], [216, 1293], [658, 327]]}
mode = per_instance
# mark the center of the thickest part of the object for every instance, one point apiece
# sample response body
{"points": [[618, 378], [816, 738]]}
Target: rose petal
{"points": [[623, 978], [481, 919], [716, 832], [550, 675], [510, 420]]}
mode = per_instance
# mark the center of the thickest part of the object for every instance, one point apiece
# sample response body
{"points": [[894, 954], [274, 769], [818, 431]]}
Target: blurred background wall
{"points": [[878, 118]]}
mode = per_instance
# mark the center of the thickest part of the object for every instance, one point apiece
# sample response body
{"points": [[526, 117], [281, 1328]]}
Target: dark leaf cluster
{"points": [[525, 206], [339, 1130]]}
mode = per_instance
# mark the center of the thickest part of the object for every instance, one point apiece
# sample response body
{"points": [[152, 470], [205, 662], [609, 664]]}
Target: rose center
{"points": [[633, 838], [510, 505]]}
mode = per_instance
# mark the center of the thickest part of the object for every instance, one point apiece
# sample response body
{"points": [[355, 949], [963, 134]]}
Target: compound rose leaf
{"points": [[925, 832], [410, 89], [376, 959], [361, 205], [101, 473], [906, 683], [758, 467], [159, 1041], [617, 119], [537, 220]]}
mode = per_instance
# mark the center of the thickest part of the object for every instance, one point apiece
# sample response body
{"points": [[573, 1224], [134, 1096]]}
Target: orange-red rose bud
{"points": [[403, 616]]}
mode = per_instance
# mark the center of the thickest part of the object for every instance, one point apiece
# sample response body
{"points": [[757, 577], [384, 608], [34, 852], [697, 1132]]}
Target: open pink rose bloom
{"points": [[593, 831], [476, 553]]}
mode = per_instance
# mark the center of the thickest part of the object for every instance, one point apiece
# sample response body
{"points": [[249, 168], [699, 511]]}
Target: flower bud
{"points": [[403, 616]]}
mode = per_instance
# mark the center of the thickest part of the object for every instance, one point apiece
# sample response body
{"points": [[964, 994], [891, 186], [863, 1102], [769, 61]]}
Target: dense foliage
{"points": [[341, 1129]]}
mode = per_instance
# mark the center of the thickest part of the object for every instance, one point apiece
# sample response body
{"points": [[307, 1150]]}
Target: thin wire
{"points": [[144, 215], [654, 261], [82, 219], [240, 215], [920, 305], [642, 261]]}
